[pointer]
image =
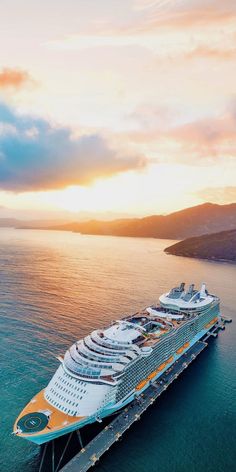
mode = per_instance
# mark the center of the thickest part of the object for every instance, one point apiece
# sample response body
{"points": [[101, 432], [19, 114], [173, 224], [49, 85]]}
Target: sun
{"points": [[136, 193]]}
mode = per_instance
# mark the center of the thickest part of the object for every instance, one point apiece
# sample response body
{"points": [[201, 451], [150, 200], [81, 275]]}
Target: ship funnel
{"points": [[203, 291], [181, 287], [191, 289]]}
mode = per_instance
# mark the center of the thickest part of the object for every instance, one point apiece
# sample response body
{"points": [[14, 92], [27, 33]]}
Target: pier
{"points": [[93, 451]]}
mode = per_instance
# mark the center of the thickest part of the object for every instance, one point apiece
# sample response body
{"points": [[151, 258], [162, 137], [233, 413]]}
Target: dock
{"points": [[93, 451]]}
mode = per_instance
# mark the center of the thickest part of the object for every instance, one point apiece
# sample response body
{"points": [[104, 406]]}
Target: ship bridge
{"points": [[179, 299]]}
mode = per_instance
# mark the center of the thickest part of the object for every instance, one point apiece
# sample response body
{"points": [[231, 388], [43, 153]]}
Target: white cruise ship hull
{"points": [[109, 369]]}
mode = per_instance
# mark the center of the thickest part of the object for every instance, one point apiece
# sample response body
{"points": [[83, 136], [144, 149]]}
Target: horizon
{"points": [[117, 182], [124, 109], [60, 217]]}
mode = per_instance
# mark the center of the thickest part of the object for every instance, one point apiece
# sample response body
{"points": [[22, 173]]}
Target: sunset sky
{"points": [[119, 106]]}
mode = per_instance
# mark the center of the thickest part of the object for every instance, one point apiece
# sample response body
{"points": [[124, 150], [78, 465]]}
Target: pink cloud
{"points": [[195, 142], [207, 52]]}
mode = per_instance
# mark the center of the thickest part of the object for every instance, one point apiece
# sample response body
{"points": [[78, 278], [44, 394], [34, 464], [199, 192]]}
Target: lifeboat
{"points": [[186, 345], [141, 385], [152, 375], [211, 322], [170, 360], [161, 367], [180, 350]]}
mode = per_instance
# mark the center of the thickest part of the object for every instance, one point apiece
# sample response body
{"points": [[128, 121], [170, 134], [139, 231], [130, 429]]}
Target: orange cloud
{"points": [[13, 78]]}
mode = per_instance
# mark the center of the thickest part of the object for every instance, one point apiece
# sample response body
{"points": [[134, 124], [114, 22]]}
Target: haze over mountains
{"points": [[202, 219], [15, 223]]}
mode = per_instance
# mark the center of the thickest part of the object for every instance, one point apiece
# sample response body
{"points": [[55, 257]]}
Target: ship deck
{"points": [[93, 451]]}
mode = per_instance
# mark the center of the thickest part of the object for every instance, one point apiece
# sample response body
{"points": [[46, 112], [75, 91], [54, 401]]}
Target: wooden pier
{"points": [[92, 452]]}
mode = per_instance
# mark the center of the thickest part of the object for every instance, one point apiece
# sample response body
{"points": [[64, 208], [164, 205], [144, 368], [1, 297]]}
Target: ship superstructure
{"points": [[106, 370]]}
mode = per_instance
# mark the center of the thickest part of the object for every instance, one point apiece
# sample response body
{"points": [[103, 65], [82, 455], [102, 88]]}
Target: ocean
{"points": [[55, 287]]}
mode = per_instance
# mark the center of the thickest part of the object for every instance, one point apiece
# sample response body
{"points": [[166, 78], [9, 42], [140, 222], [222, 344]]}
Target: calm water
{"points": [[56, 287]]}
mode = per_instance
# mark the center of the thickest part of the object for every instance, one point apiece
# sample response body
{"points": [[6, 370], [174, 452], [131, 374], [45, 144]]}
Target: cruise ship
{"points": [[109, 368]]}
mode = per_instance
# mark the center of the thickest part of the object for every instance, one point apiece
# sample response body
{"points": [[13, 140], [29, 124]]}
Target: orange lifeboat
{"points": [[180, 350], [211, 322], [152, 375], [186, 345], [161, 367], [141, 385], [170, 360]]}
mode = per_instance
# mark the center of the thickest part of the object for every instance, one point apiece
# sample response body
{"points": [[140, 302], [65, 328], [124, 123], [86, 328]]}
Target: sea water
{"points": [[55, 287]]}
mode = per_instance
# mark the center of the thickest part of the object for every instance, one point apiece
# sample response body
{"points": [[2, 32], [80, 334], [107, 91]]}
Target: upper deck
{"points": [[147, 327], [105, 353], [152, 324]]}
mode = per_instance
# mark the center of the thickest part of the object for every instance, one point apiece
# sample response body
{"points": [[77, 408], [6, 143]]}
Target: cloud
{"points": [[197, 142], [35, 155], [146, 4], [148, 116], [13, 78], [207, 52], [154, 17], [219, 195], [207, 138], [192, 17], [182, 13]]}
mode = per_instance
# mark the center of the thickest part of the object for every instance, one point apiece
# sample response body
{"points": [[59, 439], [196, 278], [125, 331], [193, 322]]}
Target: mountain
{"points": [[201, 219], [216, 246], [195, 221]]}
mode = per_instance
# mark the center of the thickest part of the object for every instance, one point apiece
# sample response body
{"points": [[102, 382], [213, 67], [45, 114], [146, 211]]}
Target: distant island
{"points": [[195, 221], [217, 246]]}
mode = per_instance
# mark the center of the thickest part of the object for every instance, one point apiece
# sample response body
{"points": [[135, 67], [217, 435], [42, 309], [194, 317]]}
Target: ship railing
{"points": [[106, 342], [90, 354], [92, 344], [92, 378]]}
